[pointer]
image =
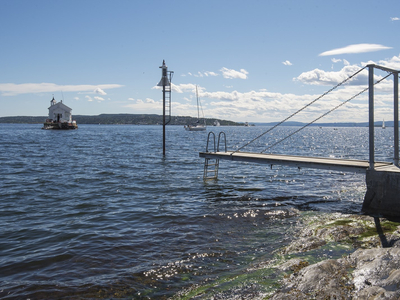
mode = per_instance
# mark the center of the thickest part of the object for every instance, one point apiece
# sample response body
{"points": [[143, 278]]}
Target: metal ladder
{"points": [[168, 99], [211, 165]]}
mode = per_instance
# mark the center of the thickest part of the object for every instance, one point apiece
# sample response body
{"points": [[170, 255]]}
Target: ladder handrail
{"points": [[208, 139], [219, 138]]}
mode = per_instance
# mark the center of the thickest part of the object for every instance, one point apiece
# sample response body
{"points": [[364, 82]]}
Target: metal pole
{"points": [[163, 93], [371, 117], [163, 82], [396, 117]]}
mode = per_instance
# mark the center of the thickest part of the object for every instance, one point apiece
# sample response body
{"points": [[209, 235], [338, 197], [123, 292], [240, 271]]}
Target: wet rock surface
{"points": [[370, 271]]}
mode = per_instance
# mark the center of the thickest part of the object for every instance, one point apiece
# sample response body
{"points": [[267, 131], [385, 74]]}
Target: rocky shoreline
{"points": [[331, 256], [368, 269]]}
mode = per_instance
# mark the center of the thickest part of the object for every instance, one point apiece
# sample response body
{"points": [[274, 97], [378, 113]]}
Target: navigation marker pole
{"points": [[166, 85]]}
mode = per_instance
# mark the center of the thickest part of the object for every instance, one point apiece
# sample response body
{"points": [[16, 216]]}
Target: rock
{"points": [[377, 273], [364, 274], [324, 280]]}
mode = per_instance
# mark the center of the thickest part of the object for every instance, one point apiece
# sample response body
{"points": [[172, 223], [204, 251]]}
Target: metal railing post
{"points": [[396, 117], [371, 117]]}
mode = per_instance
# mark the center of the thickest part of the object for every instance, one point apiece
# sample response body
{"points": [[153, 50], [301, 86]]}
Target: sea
{"points": [[100, 213]]}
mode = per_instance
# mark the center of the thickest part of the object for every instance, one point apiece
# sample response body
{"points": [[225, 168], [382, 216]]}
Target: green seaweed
{"points": [[387, 227]]}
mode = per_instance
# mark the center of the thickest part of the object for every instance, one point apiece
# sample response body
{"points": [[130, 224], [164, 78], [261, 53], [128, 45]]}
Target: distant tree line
{"points": [[134, 119], [143, 119]]}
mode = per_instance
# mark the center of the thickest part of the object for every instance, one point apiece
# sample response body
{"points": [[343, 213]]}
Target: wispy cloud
{"points": [[201, 74], [99, 98], [232, 74], [225, 72], [395, 19], [287, 63], [12, 89], [357, 48], [335, 60], [148, 104]]}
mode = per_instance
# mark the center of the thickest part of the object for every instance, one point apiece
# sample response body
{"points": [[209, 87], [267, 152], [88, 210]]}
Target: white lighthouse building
{"points": [[59, 112], [60, 116]]}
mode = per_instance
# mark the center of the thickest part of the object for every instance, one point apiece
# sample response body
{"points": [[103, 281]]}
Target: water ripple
{"points": [[99, 213]]}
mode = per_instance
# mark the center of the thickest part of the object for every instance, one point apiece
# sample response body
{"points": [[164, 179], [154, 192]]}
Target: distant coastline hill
{"points": [[343, 124], [153, 119], [110, 119]]}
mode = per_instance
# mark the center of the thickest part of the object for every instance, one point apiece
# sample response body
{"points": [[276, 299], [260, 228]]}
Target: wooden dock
{"points": [[346, 165]]}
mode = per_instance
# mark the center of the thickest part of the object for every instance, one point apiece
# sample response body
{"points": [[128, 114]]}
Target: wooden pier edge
{"points": [[383, 182]]}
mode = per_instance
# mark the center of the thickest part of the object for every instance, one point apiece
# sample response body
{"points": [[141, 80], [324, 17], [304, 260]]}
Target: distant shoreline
{"points": [[153, 119]]}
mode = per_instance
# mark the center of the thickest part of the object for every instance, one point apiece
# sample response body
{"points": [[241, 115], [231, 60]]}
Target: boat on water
{"points": [[383, 124], [198, 126], [60, 117], [216, 123]]}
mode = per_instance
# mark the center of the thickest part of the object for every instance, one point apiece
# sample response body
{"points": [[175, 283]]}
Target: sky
{"points": [[252, 61]]}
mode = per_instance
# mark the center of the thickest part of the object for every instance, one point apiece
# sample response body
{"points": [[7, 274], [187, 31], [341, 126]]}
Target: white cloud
{"points": [[357, 48], [201, 74], [89, 98], [12, 89], [321, 77], [287, 63], [230, 73], [100, 91], [264, 106], [392, 63], [336, 60], [395, 19], [145, 106], [149, 100], [99, 98], [131, 99], [181, 88], [210, 74], [76, 98], [226, 73]]}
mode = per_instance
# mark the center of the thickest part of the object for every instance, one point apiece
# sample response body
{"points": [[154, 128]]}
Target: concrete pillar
{"points": [[383, 193]]}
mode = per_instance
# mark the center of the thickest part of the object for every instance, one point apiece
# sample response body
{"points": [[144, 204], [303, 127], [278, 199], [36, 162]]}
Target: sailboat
{"points": [[383, 124], [197, 126]]}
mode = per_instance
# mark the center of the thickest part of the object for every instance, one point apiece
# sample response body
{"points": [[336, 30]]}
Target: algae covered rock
{"points": [[364, 273], [323, 280]]}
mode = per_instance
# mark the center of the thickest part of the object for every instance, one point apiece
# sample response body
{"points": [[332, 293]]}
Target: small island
{"points": [[60, 117]]}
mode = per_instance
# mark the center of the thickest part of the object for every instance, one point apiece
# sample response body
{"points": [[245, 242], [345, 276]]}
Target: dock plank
{"points": [[348, 165]]}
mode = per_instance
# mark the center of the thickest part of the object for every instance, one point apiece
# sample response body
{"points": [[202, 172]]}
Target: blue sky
{"points": [[255, 61]]}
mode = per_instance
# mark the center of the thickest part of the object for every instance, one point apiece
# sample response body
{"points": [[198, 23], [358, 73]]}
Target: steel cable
{"points": [[320, 117], [301, 109]]}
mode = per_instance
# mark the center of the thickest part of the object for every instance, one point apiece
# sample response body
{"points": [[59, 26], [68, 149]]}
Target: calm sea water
{"points": [[99, 213]]}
